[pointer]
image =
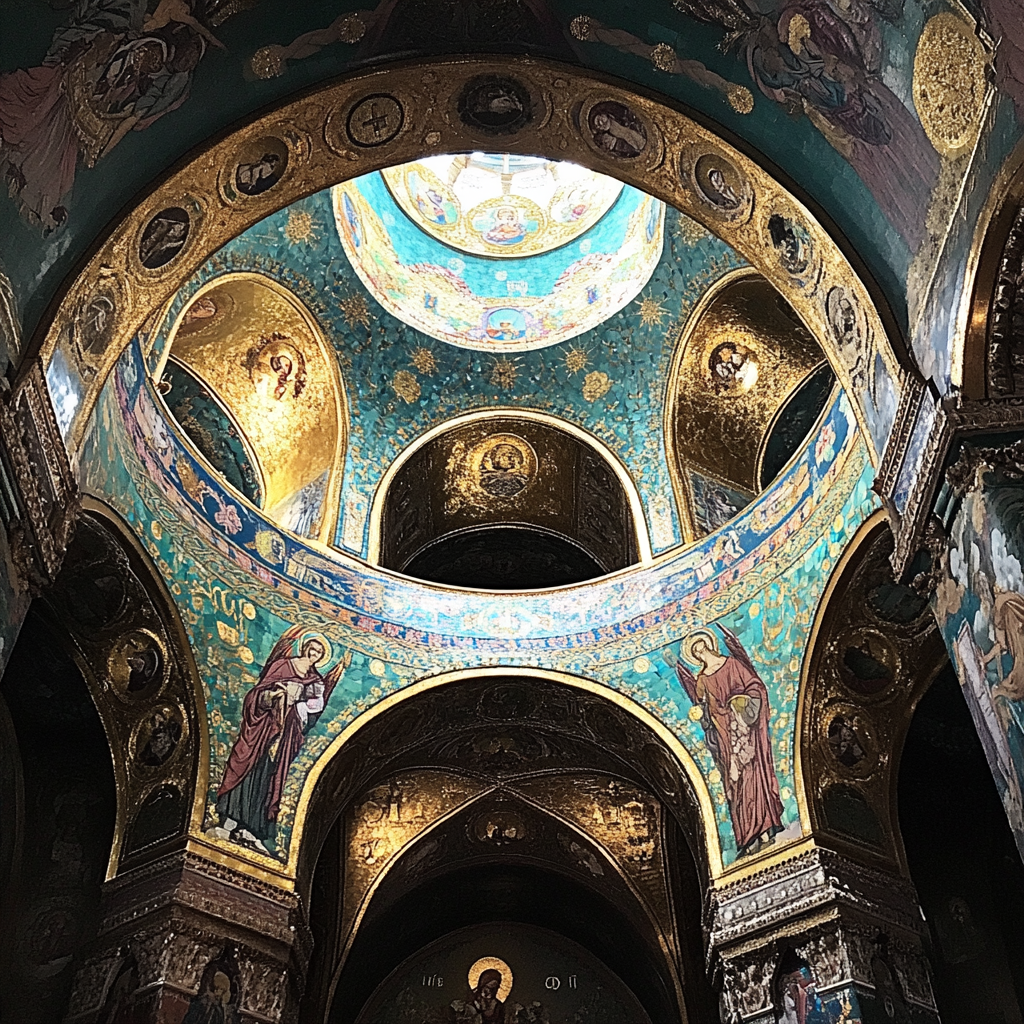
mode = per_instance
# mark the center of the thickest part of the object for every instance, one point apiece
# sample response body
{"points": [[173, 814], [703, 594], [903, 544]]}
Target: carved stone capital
{"points": [[1009, 459], [173, 916], [41, 502], [954, 420], [818, 882], [849, 924]]}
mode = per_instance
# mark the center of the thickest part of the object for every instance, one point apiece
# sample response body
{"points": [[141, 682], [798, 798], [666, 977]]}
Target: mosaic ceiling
{"points": [[545, 251], [253, 432], [334, 336]]}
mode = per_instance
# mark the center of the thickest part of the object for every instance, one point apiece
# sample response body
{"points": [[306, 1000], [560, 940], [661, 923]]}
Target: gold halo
{"points": [[320, 639], [487, 963], [698, 634]]}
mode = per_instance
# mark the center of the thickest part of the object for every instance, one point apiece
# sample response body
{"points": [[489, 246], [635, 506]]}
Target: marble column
{"points": [[184, 934], [822, 939]]}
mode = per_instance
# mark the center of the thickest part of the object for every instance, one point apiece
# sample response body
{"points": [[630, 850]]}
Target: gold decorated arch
{"points": [[378, 119]]}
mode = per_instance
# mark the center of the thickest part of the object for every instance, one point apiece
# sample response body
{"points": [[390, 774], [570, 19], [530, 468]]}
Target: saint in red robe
{"points": [[735, 708], [276, 715]]}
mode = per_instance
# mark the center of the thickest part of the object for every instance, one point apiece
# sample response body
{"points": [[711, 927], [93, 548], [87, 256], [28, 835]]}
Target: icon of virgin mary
{"points": [[277, 713]]}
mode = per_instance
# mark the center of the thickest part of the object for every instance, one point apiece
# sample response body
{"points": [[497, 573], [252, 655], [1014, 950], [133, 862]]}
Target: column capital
{"points": [[173, 916]]}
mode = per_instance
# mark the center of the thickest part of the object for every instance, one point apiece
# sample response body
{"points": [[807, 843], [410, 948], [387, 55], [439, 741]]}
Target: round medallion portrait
{"points": [[732, 367], [720, 184], [616, 130], [792, 244], [495, 104], [158, 736], [164, 237], [503, 465], [260, 165], [136, 665]]}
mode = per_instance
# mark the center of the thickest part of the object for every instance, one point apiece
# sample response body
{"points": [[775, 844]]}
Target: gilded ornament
{"points": [[406, 386], [950, 83], [503, 374], [741, 99], [580, 27], [375, 120], [642, 666], [355, 310], [663, 57], [595, 385], [266, 62], [300, 228], [424, 361], [575, 360], [651, 312], [352, 29]]}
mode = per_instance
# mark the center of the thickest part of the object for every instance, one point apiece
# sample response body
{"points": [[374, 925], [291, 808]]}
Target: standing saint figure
{"points": [[733, 709], [277, 712]]}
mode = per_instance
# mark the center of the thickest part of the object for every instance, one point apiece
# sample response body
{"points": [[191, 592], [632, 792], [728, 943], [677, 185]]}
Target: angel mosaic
{"points": [[112, 69], [277, 713], [730, 701]]}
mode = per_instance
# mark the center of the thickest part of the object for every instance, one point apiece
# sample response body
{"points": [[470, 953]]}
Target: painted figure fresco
{"points": [[484, 1006], [288, 698], [797, 1000], [825, 60], [731, 702], [979, 604], [218, 997], [112, 69]]}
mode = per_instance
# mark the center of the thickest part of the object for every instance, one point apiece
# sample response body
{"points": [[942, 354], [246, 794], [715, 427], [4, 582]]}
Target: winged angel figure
{"points": [[731, 702], [113, 68], [277, 713]]}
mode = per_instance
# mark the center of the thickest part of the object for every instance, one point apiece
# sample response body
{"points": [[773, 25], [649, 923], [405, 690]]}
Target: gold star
{"points": [[596, 385], [504, 373], [575, 360], [406, 386], [355, 310], [651, 312], [424, 361], [300, 228]]}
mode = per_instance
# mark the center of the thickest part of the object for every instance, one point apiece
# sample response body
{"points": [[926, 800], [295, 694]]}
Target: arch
{"points": [[766, 224], [247, 413], [733, 307], [987, 283], [149, 615], [553, 423], [873, 650], [321, 785]]}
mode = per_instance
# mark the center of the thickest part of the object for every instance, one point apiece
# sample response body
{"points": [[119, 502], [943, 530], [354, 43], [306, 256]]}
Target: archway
{"points": [[533, 791], [507, 502]]}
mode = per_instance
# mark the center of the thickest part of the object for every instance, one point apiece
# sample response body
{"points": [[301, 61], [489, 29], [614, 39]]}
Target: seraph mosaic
{"points": [[294, 646]]}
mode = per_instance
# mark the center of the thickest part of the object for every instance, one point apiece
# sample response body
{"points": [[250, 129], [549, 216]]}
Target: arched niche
{"points": [[748, 382], [989, 356], [521, 774], [333, 135], [251, 381], [508, 502], [128, 642], [875, 651], [58, 816]]}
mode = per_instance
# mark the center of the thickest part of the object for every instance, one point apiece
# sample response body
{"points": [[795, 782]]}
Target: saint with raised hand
{"points": [[288, 698]]}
